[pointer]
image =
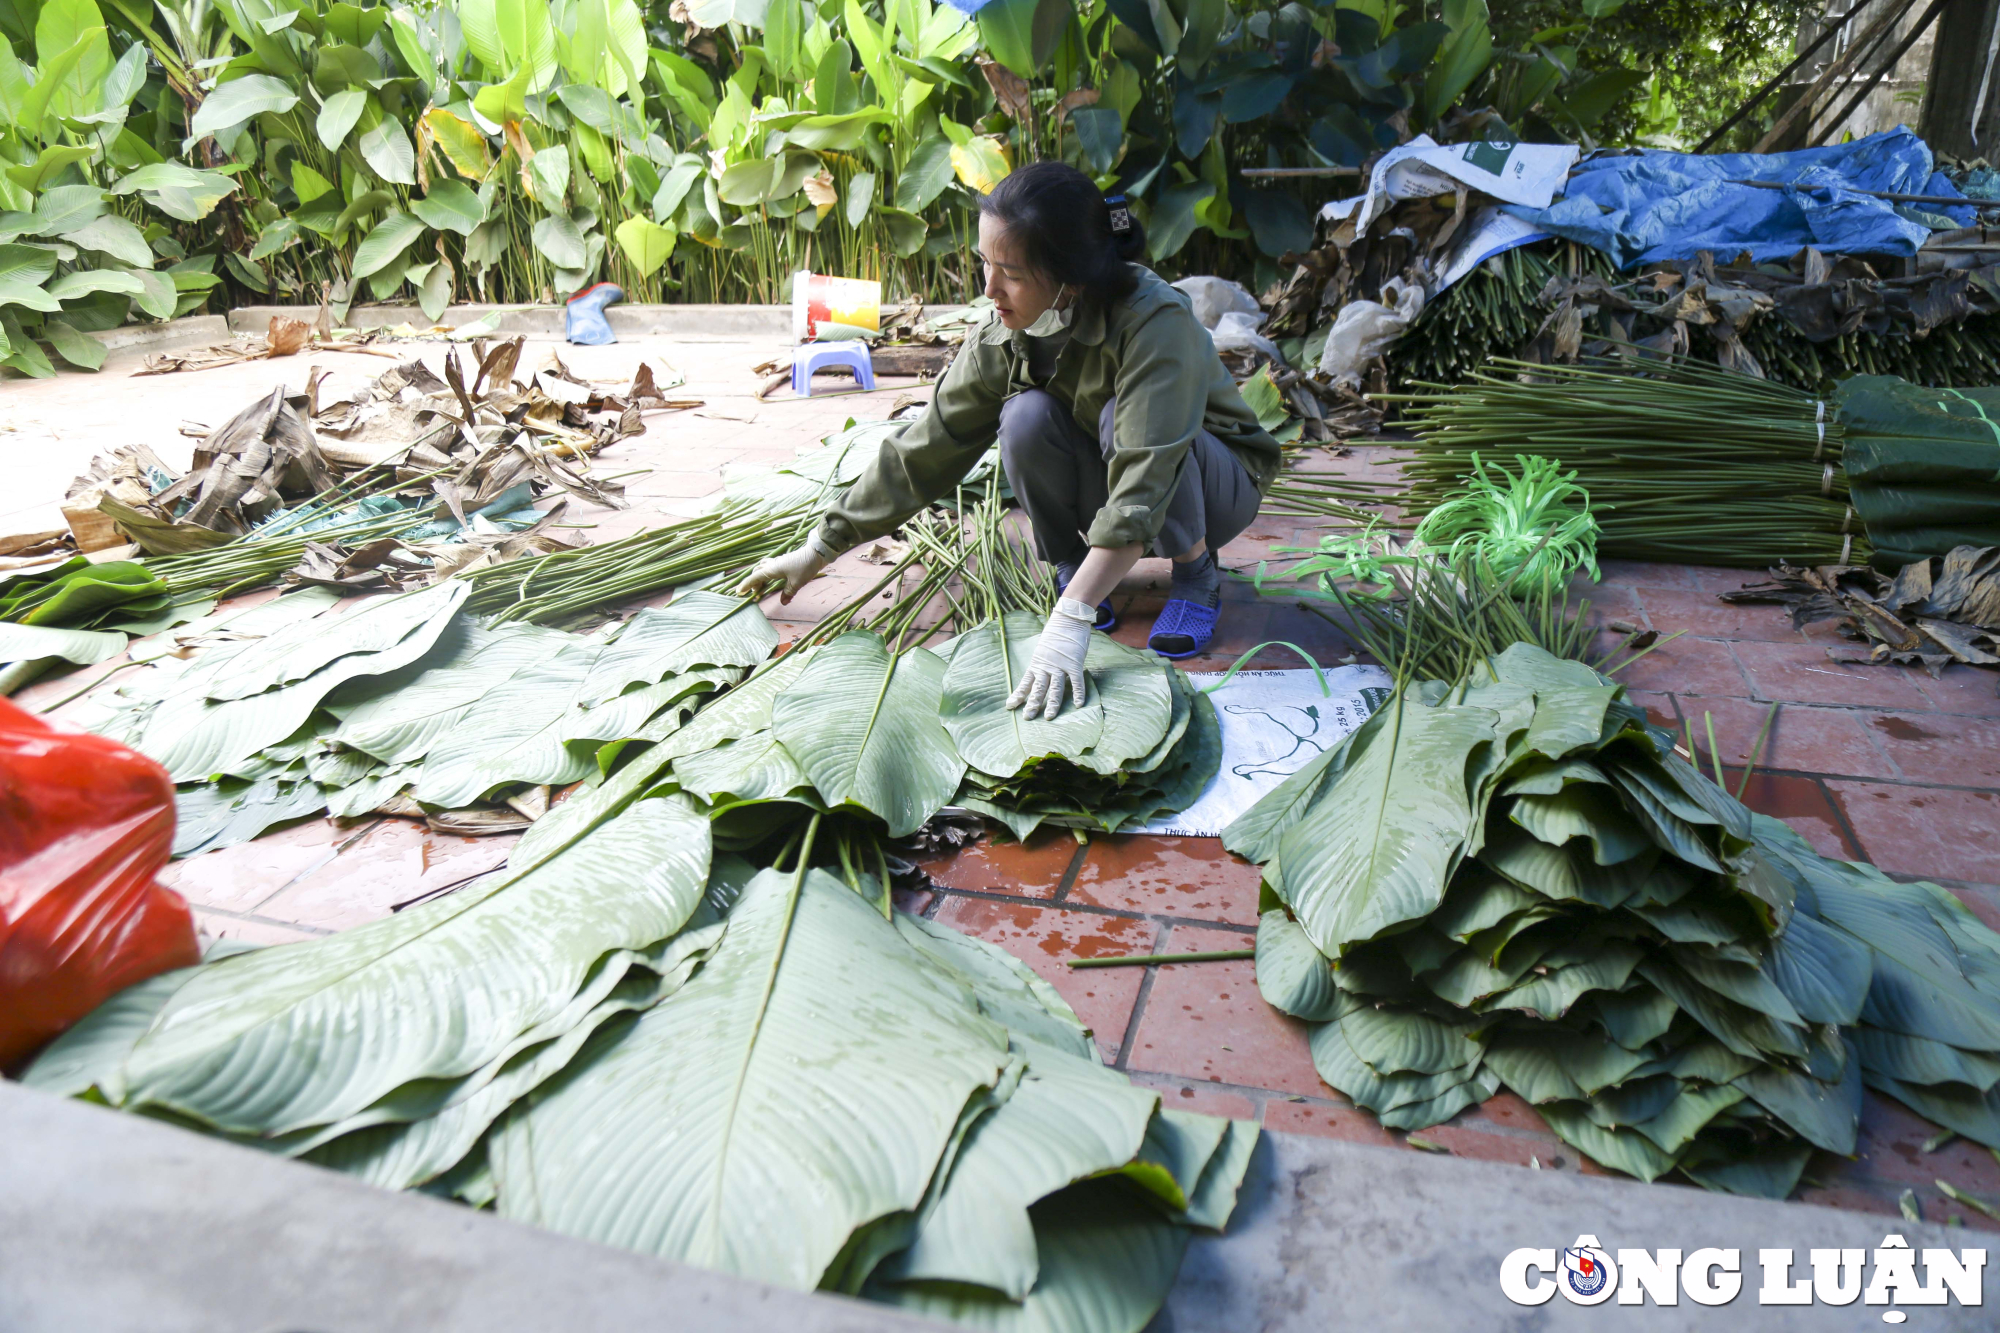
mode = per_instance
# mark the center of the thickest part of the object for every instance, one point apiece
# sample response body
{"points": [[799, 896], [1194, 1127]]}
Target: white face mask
{"points": [[1052, 321]]}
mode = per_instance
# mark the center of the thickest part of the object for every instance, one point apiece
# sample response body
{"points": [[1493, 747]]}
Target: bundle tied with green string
{"points": [[1682, 461], [1922, 465]]}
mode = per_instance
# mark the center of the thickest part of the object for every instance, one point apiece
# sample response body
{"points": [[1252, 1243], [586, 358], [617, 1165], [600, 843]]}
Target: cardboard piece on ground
{"points": [[1273, 724]]}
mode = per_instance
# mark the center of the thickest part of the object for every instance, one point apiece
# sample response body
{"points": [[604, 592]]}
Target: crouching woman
{"points": [[1120, 429]]}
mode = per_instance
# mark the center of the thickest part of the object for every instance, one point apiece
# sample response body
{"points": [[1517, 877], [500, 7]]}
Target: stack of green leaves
{"points": [[855, 726], [1513, 882], [606, 1039], [408, 694], [117, 594], [1141, 744], [388, 1050]]}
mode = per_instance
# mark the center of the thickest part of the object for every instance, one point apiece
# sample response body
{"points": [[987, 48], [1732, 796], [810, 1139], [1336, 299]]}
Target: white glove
{"points": [[793, 570], [1058, 660]]}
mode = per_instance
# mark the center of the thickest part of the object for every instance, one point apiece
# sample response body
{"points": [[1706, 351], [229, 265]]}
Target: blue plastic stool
{"points": [[584, 320], [812, 357]]}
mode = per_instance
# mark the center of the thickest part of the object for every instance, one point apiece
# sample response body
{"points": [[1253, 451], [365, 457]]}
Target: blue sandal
{"points": [[1107, 619], [1183, 629]]}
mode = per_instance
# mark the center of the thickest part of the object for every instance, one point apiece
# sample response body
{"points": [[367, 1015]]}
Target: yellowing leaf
{"points": [[461, 142], [980, 163]]}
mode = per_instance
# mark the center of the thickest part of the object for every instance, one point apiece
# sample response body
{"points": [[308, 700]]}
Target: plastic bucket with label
{"points": [[817, 300]]}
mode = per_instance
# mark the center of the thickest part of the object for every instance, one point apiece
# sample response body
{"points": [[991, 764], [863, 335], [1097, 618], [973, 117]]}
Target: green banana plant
{"points": [[73, 258], [518, 150]]}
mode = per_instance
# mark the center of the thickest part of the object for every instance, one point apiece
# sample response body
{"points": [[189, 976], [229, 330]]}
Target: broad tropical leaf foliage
{"points": [[1515, 883]]}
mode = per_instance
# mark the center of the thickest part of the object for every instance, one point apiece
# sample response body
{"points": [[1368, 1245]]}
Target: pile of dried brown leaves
{"points": [[1934, 612]]}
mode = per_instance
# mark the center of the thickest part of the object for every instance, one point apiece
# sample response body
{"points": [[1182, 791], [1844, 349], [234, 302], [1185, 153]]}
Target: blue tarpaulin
{"points": [[1654, 205]]}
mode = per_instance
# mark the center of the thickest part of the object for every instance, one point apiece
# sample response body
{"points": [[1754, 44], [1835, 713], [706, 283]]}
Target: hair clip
{"points": [[1121, 214]]}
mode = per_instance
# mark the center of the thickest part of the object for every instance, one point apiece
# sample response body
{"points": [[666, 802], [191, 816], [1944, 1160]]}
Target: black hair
{"points": [[1068, 231]]}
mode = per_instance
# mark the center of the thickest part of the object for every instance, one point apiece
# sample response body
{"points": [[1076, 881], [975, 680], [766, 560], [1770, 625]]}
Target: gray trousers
{"points": [[1062, 478]]}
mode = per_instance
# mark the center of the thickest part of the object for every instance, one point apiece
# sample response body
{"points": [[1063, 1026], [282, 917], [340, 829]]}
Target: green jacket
{"points": [[1149, 351]]}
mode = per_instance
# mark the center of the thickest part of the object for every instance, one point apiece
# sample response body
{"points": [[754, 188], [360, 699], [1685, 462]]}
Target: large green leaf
{"points": [[1397, 1041], [1380, 844], [1068, 1119], [176, 190], [1342, 1068], [1581, 810], [1828, 1115], [549, 170], [386, 242], [863, 724], [66, 207], [25, 265], [450, 206], [985, 666], [741, 711], [194, 736], [387, 150], [694, 1135], [30, 643], [299, 650], [511, 35], [1551, 1063], [579, 694], [1744, 1031], [1132, 686], [729, 749], [407, 1154], [114, 236], [1625, 1150], [337, 116], [1921, 1060], [647, 244], [560, 242], [399, 723], [1292, 976], [1005, 989], [925, 175], [306, 1034], [239, 100], [1108, 1260], [59, 78]]}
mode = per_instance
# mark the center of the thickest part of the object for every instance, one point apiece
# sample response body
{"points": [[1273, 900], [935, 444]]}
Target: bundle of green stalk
{"points": [[410, 705], [1498, 310], [764, 512], [1325, 495], [1683, 462], [1512, 881], [568, 586], [1963, 353], [1495, 310], [197, 564], [606, 1039]]}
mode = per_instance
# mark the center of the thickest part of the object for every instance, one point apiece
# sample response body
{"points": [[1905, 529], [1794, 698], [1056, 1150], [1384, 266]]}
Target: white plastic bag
{"points": [[1215, 297], [1364, 330], [1237, 332]]}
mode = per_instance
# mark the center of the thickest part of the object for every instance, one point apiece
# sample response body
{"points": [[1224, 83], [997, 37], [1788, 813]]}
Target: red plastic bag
{"points": [[85, 824]]}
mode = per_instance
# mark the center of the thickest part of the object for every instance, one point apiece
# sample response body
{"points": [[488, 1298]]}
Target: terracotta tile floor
{"points": [[1876, 762]]}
